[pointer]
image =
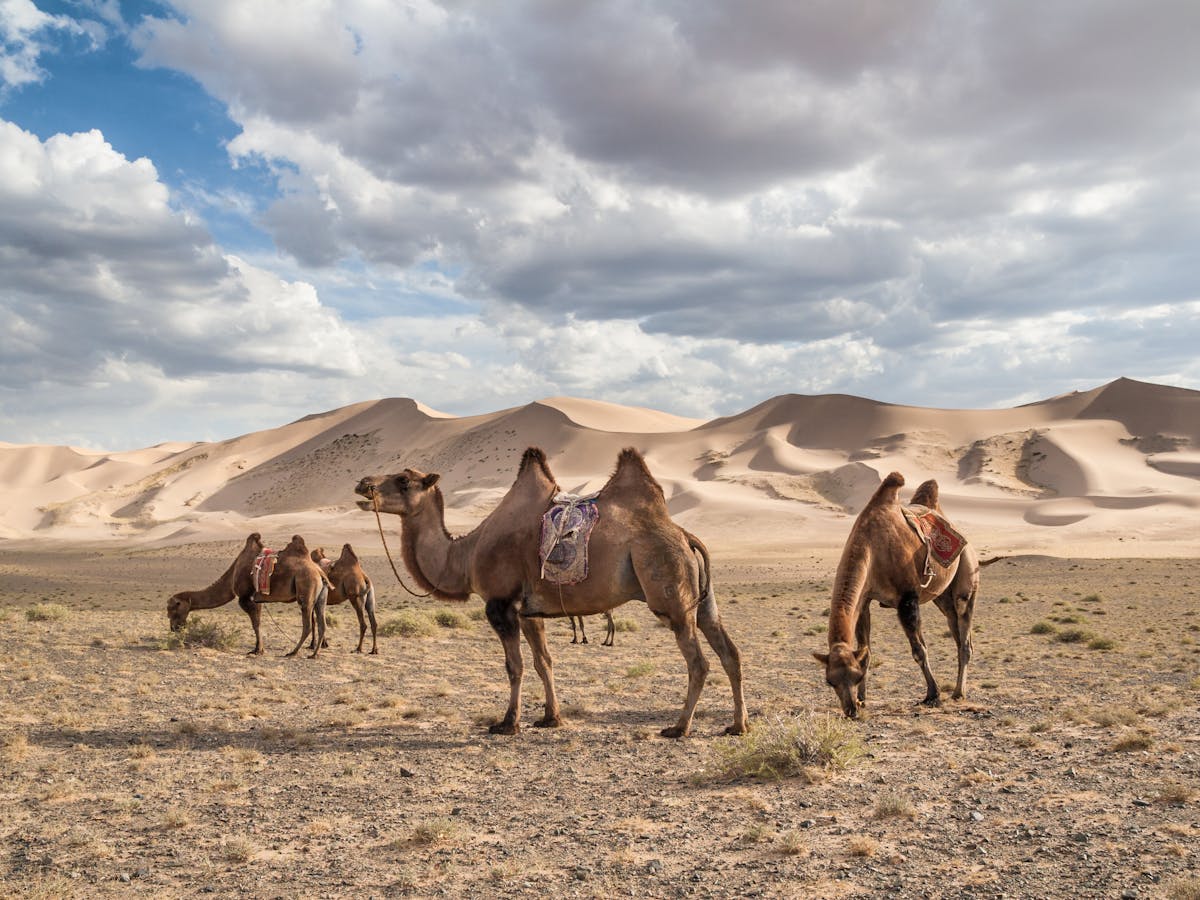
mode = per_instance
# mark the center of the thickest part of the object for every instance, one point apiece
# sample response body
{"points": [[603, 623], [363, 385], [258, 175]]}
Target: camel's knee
{"points": [[503, 617]]}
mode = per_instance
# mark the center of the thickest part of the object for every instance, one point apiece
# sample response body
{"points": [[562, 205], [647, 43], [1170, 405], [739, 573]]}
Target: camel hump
{"points": [[887, 490], [632, 470], [296, 545], [926, 494], [535, 456], [348, 552]]}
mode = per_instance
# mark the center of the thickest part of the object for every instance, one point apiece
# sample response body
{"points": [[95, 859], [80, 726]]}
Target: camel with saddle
{"points": [[635, 552], [258, 576], [348, 582], [900, 566]]}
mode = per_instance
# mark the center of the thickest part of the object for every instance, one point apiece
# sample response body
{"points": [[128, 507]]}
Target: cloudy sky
{"points": [[220, 215]]}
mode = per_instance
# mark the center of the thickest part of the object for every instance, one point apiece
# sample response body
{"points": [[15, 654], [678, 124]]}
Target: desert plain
{"points": [[138, 763]]}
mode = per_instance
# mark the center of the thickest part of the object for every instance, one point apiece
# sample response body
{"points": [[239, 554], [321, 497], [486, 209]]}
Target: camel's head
{"points": [[178, 608], [845, 670], [402, 494]]}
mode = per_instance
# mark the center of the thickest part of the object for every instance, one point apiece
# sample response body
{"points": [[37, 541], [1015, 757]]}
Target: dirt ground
{"points": [[128, 768]]}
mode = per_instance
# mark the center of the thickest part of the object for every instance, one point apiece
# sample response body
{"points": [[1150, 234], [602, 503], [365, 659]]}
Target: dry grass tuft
{"points": [[15, 747], [451, 618], [780, 748], [1042, 627], [1186, 887], [203, 633], [238, 850], [408, 623], [46, 612], [894, 806], [1133, 741], [430, 832], [862, 845], [1176, 792]]}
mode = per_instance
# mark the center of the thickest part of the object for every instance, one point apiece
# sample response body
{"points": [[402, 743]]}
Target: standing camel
{"points": [[636, 553], [348, 581], [885, 560], [608, 638], [290, 581], [297, 578]]}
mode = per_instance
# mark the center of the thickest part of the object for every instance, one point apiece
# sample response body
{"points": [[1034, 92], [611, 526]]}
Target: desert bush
{"points": [[46, 612], [894, 805], [1042, 627], [477, 613], [1176, 792], [14, 747], [432, 831], [408, 623], [1092, 598], [237, 850], [451, 618], [1101, 643], [625, 624], [1186, 887], [863, 845], [780, 748], [1074, 636], [1132, 741], [203, 633]]}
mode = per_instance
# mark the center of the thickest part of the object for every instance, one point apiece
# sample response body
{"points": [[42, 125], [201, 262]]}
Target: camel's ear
{"points": [[822, 658], [861, 654], [430, 480]]}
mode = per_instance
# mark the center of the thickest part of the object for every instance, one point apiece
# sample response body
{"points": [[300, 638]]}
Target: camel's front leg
{"points": [[862, 636], [909, 611], [254, 611], [535, 634], [502, 614]]}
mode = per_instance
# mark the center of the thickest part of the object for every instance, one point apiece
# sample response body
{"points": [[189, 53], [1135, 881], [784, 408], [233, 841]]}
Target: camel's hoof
{"points": [[548, 722], [374, 652], [737, 729], [932, 701], [505, 728], [255, 653], [674, 732], [958, 695]]}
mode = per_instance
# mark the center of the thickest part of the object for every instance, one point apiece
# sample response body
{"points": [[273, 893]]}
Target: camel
{"points": [[636, 553], [582, 632], [348, 581], [885, 560], [290, 581]]}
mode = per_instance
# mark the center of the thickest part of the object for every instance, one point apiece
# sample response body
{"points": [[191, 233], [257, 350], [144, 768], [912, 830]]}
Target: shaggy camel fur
{"points": [[348, 581], [608, 638], [884, 560], [635, 553], [293, 579]]}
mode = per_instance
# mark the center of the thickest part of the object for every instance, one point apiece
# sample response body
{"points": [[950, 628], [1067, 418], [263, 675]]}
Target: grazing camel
{"points": [[885, 560], [348, 581], [296, 578], [636, 553], [608, 638]]}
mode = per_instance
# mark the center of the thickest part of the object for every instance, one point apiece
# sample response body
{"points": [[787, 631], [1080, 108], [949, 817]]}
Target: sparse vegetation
{"points": [[408, 623], [203, 632], [46, 612], [1042, 627], [1074, 636], [892, 805], [451, 618], [782, 748]]}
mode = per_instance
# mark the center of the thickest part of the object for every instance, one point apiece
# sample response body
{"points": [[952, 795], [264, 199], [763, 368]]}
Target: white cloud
{"points": [[24, 32]]}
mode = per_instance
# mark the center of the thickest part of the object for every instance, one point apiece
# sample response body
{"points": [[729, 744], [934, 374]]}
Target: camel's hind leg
{"points": [[369, 605], [535, 634], [306, 624], [709, 620], [254, 611], [612, 631], [582, 631], [318, 617], [356, 600], [697, 666], [909, 611], [959, 612], [502, 614]]}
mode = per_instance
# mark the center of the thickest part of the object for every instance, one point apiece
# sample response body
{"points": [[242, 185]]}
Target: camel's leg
{"points": [[709, 620], [862, 637], [697, 666], [357, 601], [306, 628], [535, 634], [369, 603], [612, 630], [254, 611], [909, 611], [959, 612], [502, 614], [319, 618]]}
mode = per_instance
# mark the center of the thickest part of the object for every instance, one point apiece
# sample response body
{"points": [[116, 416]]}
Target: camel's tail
{"points": [[369, 599], [706, 587], [987, 562]]}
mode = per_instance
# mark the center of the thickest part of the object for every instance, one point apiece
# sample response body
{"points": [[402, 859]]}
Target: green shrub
{"points": [[408, 623], [46, 612], [625, 624], [203, 633], [1073, 636], [781, 748], [1042, 627], [1101, 643], [451, 618]]}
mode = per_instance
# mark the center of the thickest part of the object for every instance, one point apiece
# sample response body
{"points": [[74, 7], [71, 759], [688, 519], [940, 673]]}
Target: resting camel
{"points": [[348, 581], [636, 553], [608, 638], [885, 560], [290, 580]]}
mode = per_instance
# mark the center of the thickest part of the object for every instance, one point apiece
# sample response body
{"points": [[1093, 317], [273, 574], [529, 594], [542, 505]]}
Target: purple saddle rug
{"points": [[566, 527]]}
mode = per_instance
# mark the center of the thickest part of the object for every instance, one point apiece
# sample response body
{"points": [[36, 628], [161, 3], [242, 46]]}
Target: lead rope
{"points": [[379, 522]]}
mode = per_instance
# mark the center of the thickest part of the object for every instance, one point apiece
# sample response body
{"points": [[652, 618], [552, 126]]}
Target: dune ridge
{"points": [[1111, 471]]}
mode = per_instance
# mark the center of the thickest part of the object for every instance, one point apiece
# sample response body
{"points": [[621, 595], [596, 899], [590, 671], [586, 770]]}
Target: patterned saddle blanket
{"points": [[566, 527], [264, 565], [943, 539]]}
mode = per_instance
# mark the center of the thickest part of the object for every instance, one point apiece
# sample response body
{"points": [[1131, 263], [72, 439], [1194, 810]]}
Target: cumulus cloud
{"points": [[100, 269]]}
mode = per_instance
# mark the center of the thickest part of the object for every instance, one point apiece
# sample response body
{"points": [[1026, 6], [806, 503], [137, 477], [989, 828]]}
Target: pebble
{"points": [[1138, 801], [976, 816]]}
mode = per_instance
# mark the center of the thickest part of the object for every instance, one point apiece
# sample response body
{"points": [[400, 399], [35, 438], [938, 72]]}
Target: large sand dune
{"points": [[1111, 471]]}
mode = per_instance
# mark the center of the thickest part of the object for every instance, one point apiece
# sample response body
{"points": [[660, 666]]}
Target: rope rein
{"points": [[379, 522]]}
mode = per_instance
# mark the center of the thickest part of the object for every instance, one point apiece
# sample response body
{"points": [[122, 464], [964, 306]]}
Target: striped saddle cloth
{"points": [[264, 565]]}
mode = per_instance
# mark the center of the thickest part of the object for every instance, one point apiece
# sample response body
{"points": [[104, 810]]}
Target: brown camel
{"points": [[636, 553], [582, 632], [289, 581], [348, 581], [885, 560], [297, 578]]}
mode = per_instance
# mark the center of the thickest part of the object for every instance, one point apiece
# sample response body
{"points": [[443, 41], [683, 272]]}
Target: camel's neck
{"points": [[848, 587], [216, 594], [435, 560]]}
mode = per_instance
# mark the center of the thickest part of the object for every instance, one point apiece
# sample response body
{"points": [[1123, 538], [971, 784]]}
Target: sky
{"points": [[218, 216]]}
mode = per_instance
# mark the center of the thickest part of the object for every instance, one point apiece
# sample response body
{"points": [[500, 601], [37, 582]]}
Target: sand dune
{"points": [[1114, 470]]}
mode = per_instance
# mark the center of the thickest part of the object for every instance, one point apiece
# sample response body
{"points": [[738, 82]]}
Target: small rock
{"points": [[808, 823], [654, 867], [405, 773], [976, 816], [124, 878], [1138, 801]]}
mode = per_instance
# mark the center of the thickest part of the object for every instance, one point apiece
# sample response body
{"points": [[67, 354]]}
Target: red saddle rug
{"points": [[264, 565], [943, 539]]}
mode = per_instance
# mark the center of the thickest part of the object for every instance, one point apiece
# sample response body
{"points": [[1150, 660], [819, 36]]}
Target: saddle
{"points": [[941, 538], [566, 527], [264, 565]]}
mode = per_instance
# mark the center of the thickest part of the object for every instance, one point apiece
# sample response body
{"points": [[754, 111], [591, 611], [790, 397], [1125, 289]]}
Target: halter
{"points": [[379, 522]]}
